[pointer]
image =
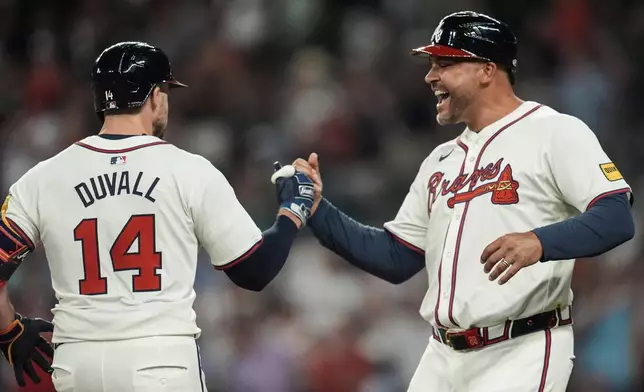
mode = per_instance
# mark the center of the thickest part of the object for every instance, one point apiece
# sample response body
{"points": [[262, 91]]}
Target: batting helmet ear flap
{"points": [[124, 75]]}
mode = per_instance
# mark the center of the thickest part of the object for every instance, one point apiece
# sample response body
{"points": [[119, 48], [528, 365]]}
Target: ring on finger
{"points": [[505, 262]]}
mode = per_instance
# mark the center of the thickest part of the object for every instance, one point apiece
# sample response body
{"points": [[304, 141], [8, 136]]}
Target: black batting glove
{"points": [[22, 344]]}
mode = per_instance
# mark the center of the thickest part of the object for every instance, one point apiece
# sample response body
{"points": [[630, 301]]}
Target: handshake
{"points": [[299, 188]]}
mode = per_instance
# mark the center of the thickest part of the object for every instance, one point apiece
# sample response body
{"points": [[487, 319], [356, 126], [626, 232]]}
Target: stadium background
{"points": [[277, 79]]}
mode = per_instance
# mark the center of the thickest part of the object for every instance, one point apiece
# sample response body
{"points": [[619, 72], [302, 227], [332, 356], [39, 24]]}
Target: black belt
{"points": [[475, 338]]}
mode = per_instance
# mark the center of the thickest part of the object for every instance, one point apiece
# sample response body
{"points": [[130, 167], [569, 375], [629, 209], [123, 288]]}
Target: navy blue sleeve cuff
{"points": [[320, 213]]}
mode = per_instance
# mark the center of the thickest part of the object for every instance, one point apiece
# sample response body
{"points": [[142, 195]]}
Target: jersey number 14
{"points": [[145, 261]]}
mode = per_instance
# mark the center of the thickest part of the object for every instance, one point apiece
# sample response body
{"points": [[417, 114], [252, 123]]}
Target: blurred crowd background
{"points": [[278, 79]]}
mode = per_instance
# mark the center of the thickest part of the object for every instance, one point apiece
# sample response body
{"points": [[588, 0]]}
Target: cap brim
{"points": [[442, 51], [176, 83]]}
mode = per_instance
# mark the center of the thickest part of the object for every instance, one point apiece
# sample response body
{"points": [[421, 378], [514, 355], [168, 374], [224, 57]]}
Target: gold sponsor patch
{"points": [[610, 171]]}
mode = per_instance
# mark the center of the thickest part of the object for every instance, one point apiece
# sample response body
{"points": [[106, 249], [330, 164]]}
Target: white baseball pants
{"points": [[154, 364], [537, 362]]}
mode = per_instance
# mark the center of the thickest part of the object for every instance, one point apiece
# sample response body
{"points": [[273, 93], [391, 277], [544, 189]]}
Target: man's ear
{"points": [[488, 72], [155, 98]]}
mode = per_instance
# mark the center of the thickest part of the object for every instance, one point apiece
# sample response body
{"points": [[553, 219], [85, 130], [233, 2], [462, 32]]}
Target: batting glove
{"points": [[294, 191], [21, 344]]}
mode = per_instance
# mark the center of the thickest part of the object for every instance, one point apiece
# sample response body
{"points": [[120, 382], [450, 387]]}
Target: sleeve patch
{"points": [[12, 252], [610, 171]]}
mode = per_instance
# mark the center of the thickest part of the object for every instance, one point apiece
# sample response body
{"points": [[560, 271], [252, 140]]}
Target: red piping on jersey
{"points": [[546, 361], [105, 151], [467, 204], [440, 266], [593, 201], [242, 257], [407, 244], [464, 147]]}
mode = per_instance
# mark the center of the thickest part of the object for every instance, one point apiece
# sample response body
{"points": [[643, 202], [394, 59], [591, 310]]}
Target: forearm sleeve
{"points": [[605, 225], [259, 266], [373, 250]]}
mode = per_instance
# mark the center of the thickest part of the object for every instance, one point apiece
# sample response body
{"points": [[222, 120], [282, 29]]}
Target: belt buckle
{"points": [[471, 338], [447, 338]]}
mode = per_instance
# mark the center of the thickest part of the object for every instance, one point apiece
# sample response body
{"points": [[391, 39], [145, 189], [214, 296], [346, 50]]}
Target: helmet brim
{"points": [[175, 83], [438, 50]]}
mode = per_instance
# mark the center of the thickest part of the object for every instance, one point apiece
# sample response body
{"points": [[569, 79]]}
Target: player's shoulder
{"points": [[43, 170], [194, 170], [550, 121], [186, 160]]}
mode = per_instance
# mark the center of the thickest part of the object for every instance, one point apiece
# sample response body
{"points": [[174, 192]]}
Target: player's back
{"points": [[115, 219]]}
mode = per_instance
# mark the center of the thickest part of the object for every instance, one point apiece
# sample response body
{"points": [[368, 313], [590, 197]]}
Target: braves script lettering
{"points": [[504, 189]]}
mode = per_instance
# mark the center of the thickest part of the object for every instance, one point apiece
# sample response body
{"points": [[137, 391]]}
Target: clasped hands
{"points": [[299, 189]]}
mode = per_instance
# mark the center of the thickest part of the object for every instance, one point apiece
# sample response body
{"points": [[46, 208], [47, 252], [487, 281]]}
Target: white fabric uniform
{"points": [[121, 222], [529, 169], [152, 364]]}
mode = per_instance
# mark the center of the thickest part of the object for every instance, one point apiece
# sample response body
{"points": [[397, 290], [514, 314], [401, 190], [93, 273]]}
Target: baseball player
{"points": [[497, 216], [121, 216]]}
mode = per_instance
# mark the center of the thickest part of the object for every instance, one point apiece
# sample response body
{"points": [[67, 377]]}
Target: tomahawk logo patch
{"points": [[503, 185]]}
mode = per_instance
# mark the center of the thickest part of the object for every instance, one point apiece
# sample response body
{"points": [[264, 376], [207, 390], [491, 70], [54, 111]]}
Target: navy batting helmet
{"points": [[469, 34], [125, 74]]}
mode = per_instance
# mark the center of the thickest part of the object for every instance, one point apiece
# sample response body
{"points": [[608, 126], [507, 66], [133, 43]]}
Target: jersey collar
{"points": [[118, 145], [117, 137], [469, 137]]}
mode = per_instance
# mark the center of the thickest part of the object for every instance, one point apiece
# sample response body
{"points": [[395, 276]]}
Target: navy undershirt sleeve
{"points": [[605, 225], [373, 250], [257, 268]]}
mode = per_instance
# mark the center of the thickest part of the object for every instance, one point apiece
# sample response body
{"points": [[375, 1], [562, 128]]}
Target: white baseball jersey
{"points": [[532, 168], [121, 222]]}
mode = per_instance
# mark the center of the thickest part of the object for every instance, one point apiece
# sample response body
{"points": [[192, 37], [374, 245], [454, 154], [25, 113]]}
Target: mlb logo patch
{"points": [[120, 160]]}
